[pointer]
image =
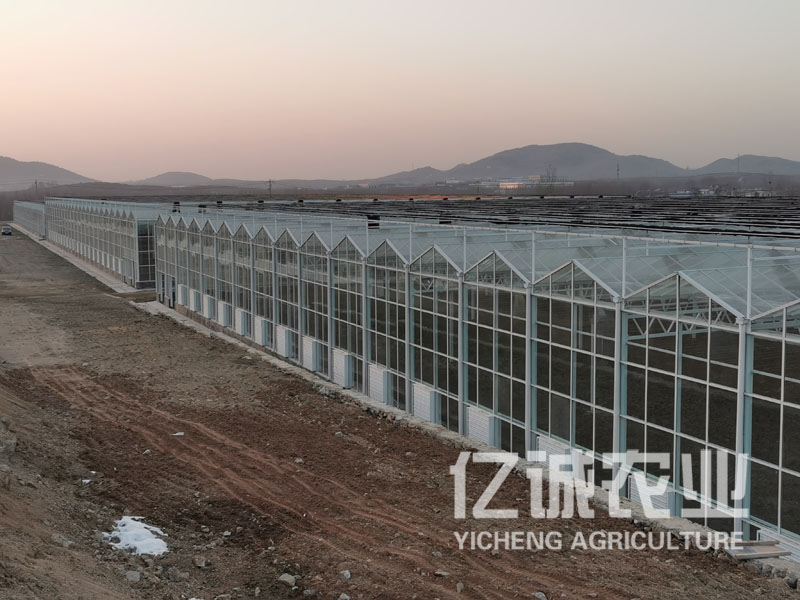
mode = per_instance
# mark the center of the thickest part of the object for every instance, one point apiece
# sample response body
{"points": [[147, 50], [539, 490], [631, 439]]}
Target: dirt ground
{"points": [[269, 476]]}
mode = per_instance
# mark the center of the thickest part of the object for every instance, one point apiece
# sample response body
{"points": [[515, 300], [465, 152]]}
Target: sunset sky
{"points": [[120, 90]]}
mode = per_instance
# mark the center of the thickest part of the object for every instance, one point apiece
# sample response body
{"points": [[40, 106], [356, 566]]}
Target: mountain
{"points": [[568, 161], [751, 163], [176, 179], [571, 161], [17, 175]]}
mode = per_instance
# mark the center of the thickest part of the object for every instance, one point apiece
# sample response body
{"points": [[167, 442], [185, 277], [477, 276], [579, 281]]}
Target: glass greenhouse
{"points": [[31, 216], [117, 236], [524, 337]]}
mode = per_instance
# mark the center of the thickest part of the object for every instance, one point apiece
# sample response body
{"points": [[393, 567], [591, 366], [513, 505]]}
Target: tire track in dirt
{"points": [[219, 459], [71, 384], [355, 505]]}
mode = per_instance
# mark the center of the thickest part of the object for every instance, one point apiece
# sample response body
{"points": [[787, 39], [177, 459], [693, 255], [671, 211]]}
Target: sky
{"points": [[121, 90]]}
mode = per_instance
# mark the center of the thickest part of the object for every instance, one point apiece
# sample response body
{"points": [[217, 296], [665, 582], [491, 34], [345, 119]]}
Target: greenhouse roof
{"points": [[723, 265]]}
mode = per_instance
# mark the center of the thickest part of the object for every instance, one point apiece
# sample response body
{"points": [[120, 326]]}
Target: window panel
{"points": [[791, 438], [660, 399], [635, 392], [766, 430], [584, 425], [693, 408], [560, 419], [763, 493]]}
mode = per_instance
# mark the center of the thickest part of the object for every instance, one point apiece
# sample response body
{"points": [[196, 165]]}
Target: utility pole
{"points": [[270, 189]]}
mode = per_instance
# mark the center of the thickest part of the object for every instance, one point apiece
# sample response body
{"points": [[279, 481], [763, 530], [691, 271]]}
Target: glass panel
{"points": [[722, 417], [692, 304], [766, 419], [561, 371], [660, 399], [603, 431], [637, 301], [793, 321], [764, 493], [584, 426], [791, 439], [792, 361], [721, 315], [658, 442], [583, 376], [635, 392], [634, 437], [790, 503], [724, 347], [662, 297], [582, 284], [542, 364], [693, 409], [604, 383], [542, 400], [561, 282], [560, 417]]}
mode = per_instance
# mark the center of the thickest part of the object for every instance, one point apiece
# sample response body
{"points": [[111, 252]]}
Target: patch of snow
{"points": [[135, 535], [177, 433], [85, 481]]}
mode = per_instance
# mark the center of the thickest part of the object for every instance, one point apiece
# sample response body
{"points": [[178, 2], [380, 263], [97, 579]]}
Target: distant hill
{"points": [[17, 175], [175, 179], [188, 179], [751, 163], [571, 161]]}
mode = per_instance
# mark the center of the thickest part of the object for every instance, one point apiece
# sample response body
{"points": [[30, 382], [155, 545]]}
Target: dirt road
{"points": [[268, 477]]}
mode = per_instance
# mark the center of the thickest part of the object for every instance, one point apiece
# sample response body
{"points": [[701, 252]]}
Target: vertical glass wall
{"points": [[772, 408], [314, 298], [170, 260], [496, 334], [145, 252], [30, 215], [573, 369], [264, 293], [161, 258], [107, 234], [434, 332], [242, 274], [680, 366], [288, 288], [195, 263], [347, 269], [386, 293], [182, 249], [208, 239], [225, 273]]}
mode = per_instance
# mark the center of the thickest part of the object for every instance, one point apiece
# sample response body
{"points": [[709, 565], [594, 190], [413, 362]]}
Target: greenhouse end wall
{"points": [[118, 237], [30, 215]]}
